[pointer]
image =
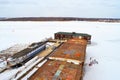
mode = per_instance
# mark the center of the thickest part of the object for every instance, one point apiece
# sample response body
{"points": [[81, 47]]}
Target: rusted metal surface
{"points": [[58, 69], [72, 49]]}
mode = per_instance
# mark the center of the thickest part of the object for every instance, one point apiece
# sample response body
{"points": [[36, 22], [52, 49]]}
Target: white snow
{"points": [[40, 64], [33, 70], [29, 74], [14, 49], [7, 75], [15, 74], [104, 48]]}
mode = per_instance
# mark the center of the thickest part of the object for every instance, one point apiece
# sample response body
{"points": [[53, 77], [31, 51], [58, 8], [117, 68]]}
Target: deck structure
{"points": [[71, 35], [58, 70], [64, 63]]}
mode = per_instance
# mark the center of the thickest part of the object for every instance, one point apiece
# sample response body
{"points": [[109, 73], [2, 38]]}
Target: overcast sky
{"points": [[60, 8]]}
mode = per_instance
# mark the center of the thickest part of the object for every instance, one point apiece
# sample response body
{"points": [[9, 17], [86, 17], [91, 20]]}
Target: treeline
{"points": [[60, 19]]}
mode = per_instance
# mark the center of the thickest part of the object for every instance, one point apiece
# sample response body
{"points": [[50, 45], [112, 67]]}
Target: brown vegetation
{"points": [[60, 19]]}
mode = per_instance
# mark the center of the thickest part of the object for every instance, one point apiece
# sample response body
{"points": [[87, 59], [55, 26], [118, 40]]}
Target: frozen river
{"points": [[104, 48]]}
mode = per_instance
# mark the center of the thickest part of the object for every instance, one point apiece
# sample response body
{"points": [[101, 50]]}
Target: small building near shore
{"points": [[71, 35]]}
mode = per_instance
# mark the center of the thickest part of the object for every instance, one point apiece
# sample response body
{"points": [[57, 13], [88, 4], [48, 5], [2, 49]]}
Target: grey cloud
{"points": [[69, 8]]}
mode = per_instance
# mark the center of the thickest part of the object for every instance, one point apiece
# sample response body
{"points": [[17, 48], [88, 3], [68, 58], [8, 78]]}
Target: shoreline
{"points": [[61, 19]]}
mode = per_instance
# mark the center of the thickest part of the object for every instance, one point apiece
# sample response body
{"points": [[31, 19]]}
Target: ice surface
{"points": [[104, 47]]}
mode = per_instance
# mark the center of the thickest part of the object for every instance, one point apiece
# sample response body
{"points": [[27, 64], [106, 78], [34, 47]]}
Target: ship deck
{"points": [[60, 64]]}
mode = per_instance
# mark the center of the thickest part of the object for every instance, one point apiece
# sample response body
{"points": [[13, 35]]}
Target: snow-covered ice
{"points": [[104, 48]]}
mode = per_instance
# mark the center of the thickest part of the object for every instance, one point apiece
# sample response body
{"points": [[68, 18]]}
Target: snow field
{"points": [[104, 47]]}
